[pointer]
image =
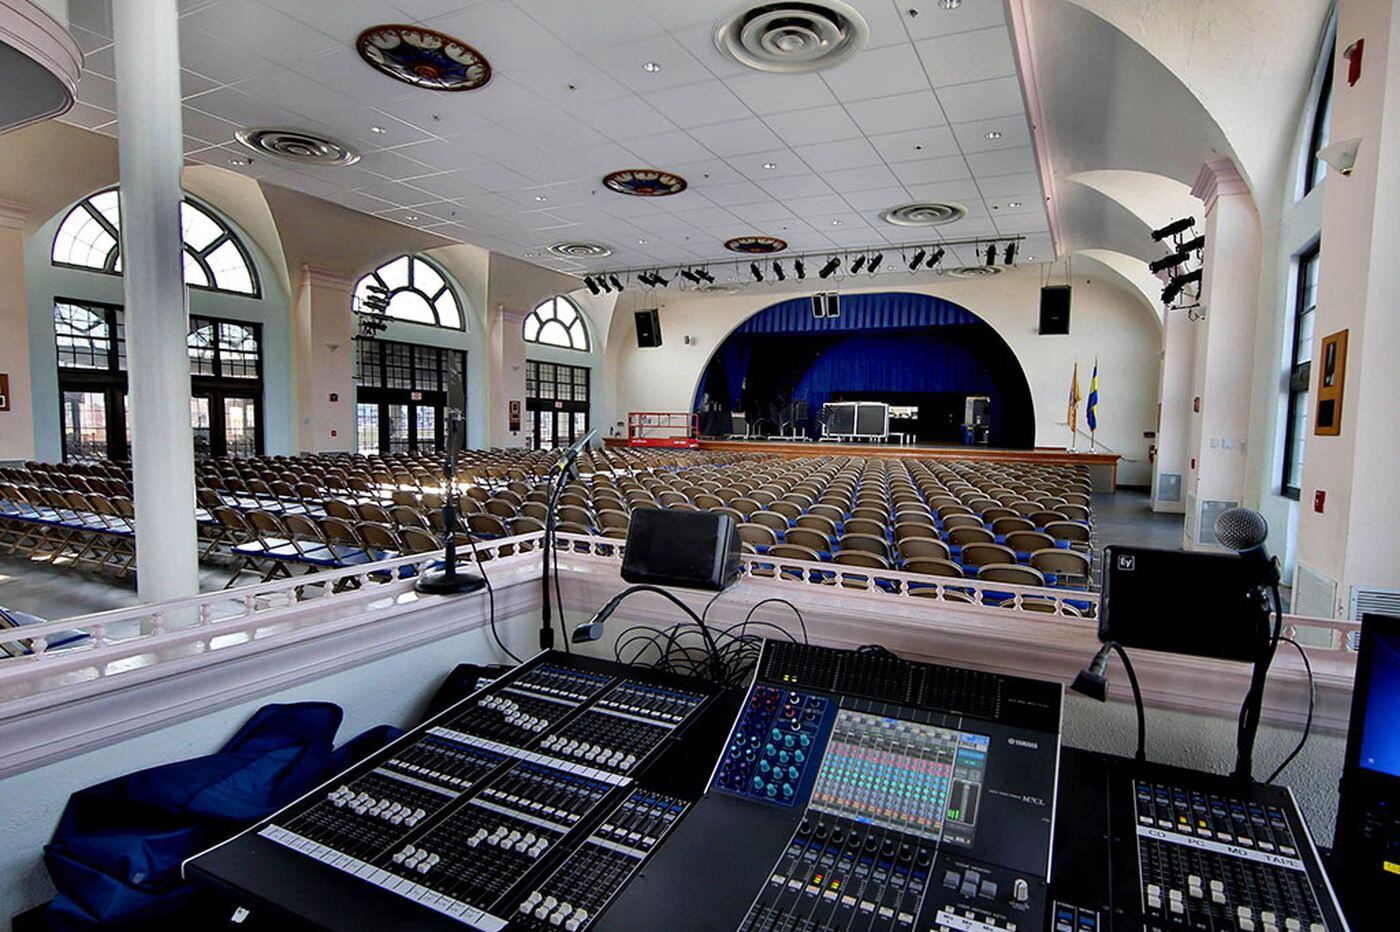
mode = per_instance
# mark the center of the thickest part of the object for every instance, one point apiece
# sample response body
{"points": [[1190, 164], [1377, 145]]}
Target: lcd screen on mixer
{"points": [[904, 775]]}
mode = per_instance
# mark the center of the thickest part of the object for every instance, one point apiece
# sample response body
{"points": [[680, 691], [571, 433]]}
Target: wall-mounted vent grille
{"points": [[1205, 527], [1366, 600], [1169, 487], [1314, 593]]}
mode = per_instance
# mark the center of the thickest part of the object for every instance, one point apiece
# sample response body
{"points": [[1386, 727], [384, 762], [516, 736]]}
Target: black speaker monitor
{"points": [[818, 305], [833, 304], [1054, 309], [690, 549], [648, 327]]}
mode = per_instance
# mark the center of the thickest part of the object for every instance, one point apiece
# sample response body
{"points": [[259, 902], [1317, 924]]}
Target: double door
{"points": [[389, 421], [97, 422], [552, 429]]}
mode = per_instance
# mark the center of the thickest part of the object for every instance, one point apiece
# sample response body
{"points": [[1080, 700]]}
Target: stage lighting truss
{"points": [[913, 258], [1181, 268]]}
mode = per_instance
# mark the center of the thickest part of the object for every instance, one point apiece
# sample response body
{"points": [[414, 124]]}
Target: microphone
{"points": [[1244, 531]]}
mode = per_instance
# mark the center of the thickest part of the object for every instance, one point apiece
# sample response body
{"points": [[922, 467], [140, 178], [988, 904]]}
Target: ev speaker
{"points": [[689, 549], [649, 327], [818, 305], [833, 304], [1054, 309]]}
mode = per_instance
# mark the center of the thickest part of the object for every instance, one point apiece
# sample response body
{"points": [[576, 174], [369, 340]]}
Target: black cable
{"points": [[490, 591], [802, 622], [1312, 702], [1140, 755]]}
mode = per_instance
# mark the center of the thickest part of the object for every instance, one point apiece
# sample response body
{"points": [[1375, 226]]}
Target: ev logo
{"points": [[1127, 562]]}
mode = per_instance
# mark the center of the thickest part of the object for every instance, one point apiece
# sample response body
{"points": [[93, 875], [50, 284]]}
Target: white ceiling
{"points": [[517, 165]]}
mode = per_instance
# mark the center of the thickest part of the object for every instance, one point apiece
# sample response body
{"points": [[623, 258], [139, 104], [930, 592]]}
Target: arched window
{"points": [[90, 238], [557, 322], [418, 293]]}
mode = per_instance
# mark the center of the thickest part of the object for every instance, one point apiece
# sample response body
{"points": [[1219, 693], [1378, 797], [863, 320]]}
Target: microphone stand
{"points": [[564, 469], [1252, 710], [446, 580]]}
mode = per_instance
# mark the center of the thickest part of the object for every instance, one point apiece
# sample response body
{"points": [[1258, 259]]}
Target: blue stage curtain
{"points": [[861, 312]]}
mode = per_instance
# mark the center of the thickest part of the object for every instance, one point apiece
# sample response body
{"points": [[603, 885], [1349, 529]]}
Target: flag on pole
{"points": [[1091, 411], [1074, 398]]}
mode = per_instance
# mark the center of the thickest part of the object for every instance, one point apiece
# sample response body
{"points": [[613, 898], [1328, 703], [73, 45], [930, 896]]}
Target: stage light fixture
{"points": [[1010, 253], [1178, 282], [1173, 228], [800, 268], [1168, 262], [918, 259], [705, 274], [778, 271], [690, 276], [592, 285], [615, 283], [603, 282], [656, 277], [858, 264], [992, 254], [830, 268], [1193, 245], [756, 271], [875, 262], [935, 257]]}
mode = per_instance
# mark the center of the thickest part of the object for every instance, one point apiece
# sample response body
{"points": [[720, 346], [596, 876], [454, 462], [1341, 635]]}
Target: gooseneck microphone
{"points": [[1244, 531]]}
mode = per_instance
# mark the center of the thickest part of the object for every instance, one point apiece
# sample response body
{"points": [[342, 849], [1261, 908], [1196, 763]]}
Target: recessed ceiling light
{"points": [[651, 67], [1013, 204], [950, 4], [641, 242], [541, 198], [378, 130], [770, 165], [994, 134], [411, 217], [836, 223], [238, 163], [1030, 258]]}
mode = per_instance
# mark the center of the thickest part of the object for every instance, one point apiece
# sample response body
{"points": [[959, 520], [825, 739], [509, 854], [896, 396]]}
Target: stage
{"points": [[1102, 466]]}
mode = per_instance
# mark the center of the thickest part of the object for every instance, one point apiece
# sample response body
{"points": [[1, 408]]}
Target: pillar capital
{"points": [[13, 214], [1218, 178], [321, 277], [512, 314]]}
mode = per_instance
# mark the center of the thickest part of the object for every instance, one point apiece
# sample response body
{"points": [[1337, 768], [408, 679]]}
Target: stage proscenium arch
{"points": [[924, 356]]}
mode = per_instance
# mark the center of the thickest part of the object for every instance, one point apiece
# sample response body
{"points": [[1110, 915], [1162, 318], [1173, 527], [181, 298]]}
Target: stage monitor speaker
{"points": [[1054, 309], [689, 549], [833, 304], [872, 419], [840, 418], [648, 327], [818, 305]]}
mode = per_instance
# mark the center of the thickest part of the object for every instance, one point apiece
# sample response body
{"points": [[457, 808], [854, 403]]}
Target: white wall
{"points": [[1106, 322]]}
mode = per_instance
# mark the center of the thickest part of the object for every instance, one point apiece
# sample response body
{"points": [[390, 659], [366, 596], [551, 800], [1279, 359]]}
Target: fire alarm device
{"points": [[1319, 500], [1196, 404], [1353, 56], [335, 396]]}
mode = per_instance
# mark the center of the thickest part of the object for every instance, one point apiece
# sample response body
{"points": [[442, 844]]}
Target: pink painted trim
{"points": [[1218, 178], [1023, 41], [37, 35]]}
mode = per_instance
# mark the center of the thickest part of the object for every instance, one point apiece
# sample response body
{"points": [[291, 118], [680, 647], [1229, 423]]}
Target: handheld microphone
{"points": [[1244, 531]]}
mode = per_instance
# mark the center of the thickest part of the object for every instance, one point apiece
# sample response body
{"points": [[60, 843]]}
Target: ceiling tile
{"points": [[260, 31], [964, 191], [1027, 203], [1011, 132], [967, 57], [699, 40], [1023, 223], [778, 93], [897, 113], [834, 156], [665, 149], [982, 100], [783, 161], [624, 118], [737, 138], [206, 127], [707, 173], [625, 62], [1002, 162], [911, 145], [876, 199], [768, 212], [97, 91], [805, 127], [951, 168], [933, 20], [796, 186], [92, 15], [580, 24], [849, 180], [728, 195], [89, 117], [698, 105], [877, 73], [818, 206], [391, 164]]}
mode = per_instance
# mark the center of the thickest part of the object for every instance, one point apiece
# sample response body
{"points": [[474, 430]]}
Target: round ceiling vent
{"points": [[573, 250], [974, 271], [294, 145], [924, 214], [788, 37]]}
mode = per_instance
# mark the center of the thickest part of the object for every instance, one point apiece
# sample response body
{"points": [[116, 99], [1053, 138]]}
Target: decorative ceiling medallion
{"points": [[424, 58], [755, 245], [974, 271], [294, 145], [791, 36], [575, 250], [924, 214], [644, 182]]}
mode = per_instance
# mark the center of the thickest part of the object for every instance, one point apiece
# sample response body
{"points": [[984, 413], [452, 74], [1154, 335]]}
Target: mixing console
{"points": [[844, 791]]}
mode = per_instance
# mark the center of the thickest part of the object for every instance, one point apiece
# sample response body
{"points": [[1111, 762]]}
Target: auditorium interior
{"points": [[799, 465]]}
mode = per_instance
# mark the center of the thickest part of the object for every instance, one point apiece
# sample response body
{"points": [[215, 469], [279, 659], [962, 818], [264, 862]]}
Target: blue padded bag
{"points": [[116, 854]]}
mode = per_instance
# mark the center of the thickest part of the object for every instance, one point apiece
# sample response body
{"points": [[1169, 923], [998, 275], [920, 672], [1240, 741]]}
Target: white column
{"points": [[17, 408], [1174, 412], [506, 374], [324, 347], [145, 33]]}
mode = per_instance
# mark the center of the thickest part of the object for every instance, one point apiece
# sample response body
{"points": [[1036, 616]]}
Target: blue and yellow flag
{"points": [[1091, 413]]}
